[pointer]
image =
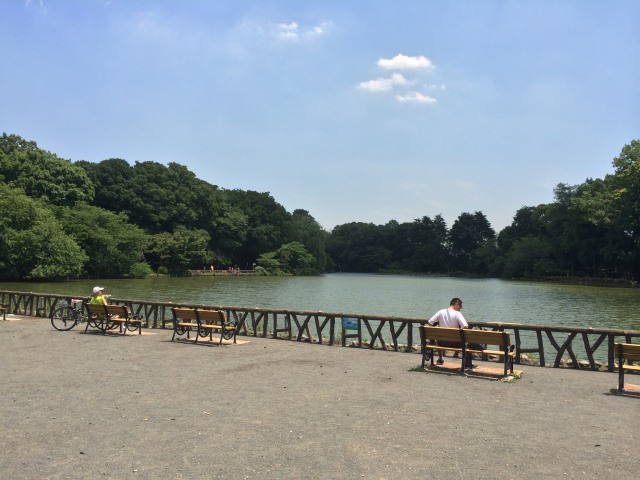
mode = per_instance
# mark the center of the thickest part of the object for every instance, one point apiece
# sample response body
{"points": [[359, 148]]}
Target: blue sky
{"points": [[353, 110]]}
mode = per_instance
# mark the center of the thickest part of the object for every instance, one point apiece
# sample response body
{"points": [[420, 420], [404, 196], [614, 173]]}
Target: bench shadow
{"points": [[208, 343], [201, 343], [99, 333], [630, 390], [480, 373]]}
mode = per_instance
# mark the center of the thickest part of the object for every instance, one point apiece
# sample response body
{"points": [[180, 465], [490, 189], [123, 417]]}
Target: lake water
{"points": [[486, 300]]}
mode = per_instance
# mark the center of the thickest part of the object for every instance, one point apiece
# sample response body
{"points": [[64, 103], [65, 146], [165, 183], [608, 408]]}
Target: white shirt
{"points": [[448, 318]]}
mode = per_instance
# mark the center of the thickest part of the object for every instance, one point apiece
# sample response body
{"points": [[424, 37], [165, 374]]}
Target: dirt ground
{"points": [[77, 406]]}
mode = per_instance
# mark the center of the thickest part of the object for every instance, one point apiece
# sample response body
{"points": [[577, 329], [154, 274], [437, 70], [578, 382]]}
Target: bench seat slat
{"points": [[490, 352], [217, 327], [441, 347]]}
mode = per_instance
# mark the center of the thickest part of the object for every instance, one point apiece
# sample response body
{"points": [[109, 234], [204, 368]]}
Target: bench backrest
{"points": [[442, 333], [487, 337], [119, 310], [98, 309], [211, 317], [184, 314], [93, 309], [629, 351]]}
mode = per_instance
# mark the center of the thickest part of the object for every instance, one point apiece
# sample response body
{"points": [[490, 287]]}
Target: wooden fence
{"points": [[584, 348]]}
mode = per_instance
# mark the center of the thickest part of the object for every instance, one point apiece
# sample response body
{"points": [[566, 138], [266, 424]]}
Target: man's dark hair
{"points": [[455, 301]]}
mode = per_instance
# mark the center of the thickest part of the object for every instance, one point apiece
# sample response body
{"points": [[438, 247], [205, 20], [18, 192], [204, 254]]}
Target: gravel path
{"points": [[76, 406]]}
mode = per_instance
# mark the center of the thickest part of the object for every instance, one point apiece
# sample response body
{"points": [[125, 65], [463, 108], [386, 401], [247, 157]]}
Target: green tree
{"points": [[114, 184], [42, 174], [529, 257], [33, 244], [114, 246], [268, 264], [626, 201], [290, 259], [468, 233], [162, 199], [522, 225], [179, 251], [268, 225], [295, 259], [428, 245], [308, 232], [359, 247]]}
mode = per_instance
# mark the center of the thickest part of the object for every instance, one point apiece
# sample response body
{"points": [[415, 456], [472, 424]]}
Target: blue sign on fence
{"points": [[349, 324]]}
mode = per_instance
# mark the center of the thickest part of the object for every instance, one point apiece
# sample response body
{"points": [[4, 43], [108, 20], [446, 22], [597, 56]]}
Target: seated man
{"points": [[452, 318]]}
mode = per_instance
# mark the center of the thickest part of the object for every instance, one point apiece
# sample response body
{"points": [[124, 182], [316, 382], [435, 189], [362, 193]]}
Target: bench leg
{"points": [[511, 357], [230, 334], [506, 363], [425, 353], [620, 369], [620, 376], [464, 357]]}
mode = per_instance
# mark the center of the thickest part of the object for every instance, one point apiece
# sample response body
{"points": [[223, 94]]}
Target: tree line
{"points": [[62, 219]]}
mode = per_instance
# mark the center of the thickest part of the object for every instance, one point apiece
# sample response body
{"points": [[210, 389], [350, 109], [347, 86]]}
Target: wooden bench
{"points": [[215, 320], [110, 317], [204, 322], [629, 352], [430, 336], [3, 310]]}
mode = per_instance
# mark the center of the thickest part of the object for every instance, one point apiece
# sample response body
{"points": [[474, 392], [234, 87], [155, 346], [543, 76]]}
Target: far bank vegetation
{"points": [[64, 219]]}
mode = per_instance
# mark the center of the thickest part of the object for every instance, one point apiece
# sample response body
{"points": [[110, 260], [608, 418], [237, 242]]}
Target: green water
{"points": [[386, 295]]}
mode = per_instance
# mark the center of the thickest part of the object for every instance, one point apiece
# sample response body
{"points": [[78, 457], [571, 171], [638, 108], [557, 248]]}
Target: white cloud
{"points": [[287, 31], [399, 84], [292, 31], [288, 26], [404, 62], [383, 84], [415, 97], [321, 29]]}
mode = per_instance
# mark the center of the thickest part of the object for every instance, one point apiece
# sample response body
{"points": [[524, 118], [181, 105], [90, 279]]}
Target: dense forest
{"points": [[63, 219]]}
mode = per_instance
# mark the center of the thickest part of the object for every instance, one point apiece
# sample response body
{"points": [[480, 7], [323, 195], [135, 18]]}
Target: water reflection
{"points": [[405, 296]]}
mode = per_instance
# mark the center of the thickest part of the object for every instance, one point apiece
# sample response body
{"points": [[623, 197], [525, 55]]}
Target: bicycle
{"points": [[69, 315]]}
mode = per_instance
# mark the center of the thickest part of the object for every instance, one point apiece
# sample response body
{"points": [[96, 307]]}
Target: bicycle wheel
{"points": [[64, 318]]}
